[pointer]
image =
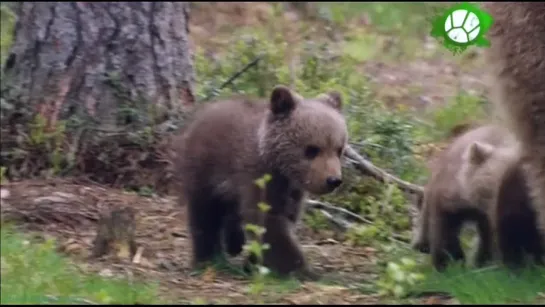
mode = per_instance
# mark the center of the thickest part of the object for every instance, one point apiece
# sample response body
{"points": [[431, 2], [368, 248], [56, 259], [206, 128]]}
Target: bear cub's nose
{"points": [[333, 182]]}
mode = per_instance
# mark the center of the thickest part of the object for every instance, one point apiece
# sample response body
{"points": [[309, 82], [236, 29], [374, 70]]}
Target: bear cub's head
{"points": [[304, 139], [483, 167]]}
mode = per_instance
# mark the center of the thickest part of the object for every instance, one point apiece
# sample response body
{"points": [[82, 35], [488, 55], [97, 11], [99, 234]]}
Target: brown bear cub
{"points": [[230, 144], [460, 189], [478, 178], [517, 61]]}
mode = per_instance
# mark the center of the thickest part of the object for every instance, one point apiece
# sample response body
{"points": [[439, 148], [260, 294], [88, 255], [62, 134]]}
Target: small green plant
{"points": [[2, 174], [7, 23], [399, 277], [255, 247], [315, 220], [363, 235], [41, 142], [145, 191], [37, 131], [386, 210]]}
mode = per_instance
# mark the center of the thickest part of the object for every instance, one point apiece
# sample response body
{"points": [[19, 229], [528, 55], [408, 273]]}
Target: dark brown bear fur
{"points": [[517, 61], [460, 189], [511, 214], [230, 144], [515, 219]]}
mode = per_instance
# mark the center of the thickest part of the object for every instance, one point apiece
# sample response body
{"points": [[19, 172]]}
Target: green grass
{"points": [[492, 285], [386, 17], [393, 31], [7, 23], [33, 273], [463, 108]]}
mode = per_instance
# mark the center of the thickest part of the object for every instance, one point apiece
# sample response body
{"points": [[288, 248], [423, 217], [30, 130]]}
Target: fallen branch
{"points": [[367, 168], [343, 222], [314, 204]]}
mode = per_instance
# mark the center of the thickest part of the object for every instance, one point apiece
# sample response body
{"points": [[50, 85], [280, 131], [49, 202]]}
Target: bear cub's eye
{"points": [[311, 152]]}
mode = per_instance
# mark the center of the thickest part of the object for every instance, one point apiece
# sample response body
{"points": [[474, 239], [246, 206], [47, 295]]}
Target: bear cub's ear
{"points": [[283, 101], [479, 152], [333, 99]]}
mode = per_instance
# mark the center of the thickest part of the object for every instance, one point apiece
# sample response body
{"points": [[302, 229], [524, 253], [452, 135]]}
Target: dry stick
{"points": [[367, 168], [314, 204], [233, 78], [338, 222]]}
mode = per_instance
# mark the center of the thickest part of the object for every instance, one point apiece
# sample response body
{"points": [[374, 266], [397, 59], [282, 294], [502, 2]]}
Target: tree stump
{"points": [[116, 234]]}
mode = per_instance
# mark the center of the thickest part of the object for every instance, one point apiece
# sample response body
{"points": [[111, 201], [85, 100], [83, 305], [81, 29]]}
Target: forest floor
{"points": [[421, 76], [68, 211]]}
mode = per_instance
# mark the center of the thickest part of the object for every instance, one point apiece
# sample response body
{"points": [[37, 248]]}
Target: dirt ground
{"points": [[68, 211]]}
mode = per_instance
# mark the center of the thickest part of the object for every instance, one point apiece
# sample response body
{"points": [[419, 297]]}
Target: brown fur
{"points": [[511, 215], [230, 144], [452, 134], [492, 191], [517, 61], [460, 189], [514, 219]]}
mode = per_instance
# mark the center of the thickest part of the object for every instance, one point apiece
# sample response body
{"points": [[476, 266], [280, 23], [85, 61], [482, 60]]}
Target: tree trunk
{"points": [[71, 56], [105, 63]]}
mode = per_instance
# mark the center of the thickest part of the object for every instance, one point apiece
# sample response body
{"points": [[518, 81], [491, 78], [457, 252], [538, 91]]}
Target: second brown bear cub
{"points": [[458, 191], [478, 177], [230, 144]]}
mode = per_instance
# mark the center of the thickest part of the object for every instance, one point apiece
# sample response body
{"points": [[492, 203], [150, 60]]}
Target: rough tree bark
{"points": [[67, 56], [88, 63]]}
